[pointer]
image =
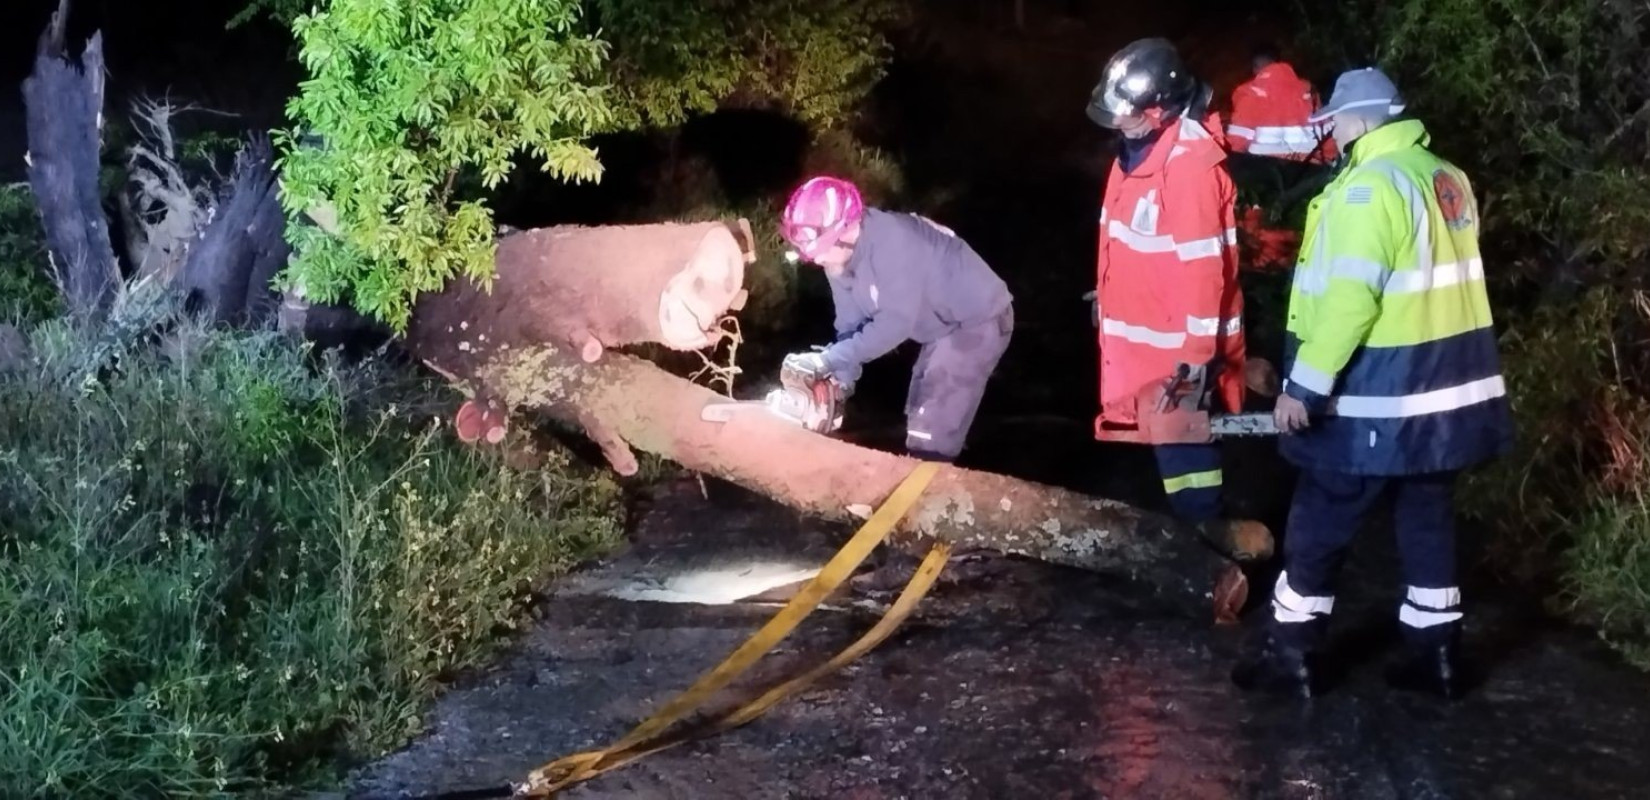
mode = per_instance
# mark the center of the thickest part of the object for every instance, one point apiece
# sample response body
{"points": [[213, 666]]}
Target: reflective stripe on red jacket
{"points": [[1269, 117], [1168, 272]]}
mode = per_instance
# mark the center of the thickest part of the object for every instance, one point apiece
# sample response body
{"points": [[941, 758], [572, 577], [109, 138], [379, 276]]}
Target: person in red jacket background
{"points": [[1270, 114], [1167, 288]]}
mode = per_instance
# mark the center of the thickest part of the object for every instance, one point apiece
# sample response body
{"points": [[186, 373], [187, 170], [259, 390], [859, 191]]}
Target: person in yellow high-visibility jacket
{"points": [[1394, 387]]}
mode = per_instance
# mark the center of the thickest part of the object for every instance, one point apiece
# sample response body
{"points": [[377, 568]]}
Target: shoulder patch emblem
{"points": [[1453, 201]]}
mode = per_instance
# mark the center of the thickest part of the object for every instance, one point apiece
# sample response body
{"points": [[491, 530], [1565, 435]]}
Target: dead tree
{"points": [[63, 103], [230, 265]]}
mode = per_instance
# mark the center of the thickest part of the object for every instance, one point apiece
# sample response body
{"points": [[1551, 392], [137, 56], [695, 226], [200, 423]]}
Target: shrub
{"points": [[813, 59], [225, 564], [26, 290]]}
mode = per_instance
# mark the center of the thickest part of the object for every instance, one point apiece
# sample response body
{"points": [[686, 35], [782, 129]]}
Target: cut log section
{"points": [[589, 289]]}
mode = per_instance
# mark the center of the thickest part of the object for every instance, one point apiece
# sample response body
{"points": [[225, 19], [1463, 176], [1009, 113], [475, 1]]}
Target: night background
{"points": [[235, 563]]}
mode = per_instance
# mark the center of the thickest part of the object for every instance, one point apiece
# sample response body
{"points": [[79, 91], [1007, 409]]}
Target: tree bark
{"points": [[232, 262], [623, 402], [63, 105]]}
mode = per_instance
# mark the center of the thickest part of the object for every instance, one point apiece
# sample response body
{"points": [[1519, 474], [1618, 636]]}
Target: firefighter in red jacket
{"points": [[1270, 114], [1167, 289]]}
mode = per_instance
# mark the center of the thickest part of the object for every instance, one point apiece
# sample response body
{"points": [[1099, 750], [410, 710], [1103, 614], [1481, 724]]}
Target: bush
{"points": [[26, 290], [418, 108], [813, 59], [227, 565], [1569, 504]]}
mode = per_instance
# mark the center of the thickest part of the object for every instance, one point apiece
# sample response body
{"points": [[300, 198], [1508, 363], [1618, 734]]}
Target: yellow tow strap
{"points": [[650, 736]]}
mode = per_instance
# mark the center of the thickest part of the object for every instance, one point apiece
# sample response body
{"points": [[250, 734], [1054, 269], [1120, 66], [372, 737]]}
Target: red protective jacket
{"points": [[1167, 274], [1269, 117]]}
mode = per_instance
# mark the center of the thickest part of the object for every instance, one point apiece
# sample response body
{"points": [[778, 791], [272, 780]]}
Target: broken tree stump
{"points": [[63, 108], [232, 263]]}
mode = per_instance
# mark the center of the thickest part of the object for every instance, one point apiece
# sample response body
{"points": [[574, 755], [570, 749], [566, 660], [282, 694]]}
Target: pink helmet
{"points": [[818, 213]]}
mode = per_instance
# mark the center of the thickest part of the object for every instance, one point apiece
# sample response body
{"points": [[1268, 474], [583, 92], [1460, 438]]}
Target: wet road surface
{"points": [[1014, 679]]}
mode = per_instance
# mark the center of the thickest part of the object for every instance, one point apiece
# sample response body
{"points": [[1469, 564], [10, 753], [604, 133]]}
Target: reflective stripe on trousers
{"points": [[1328, 509], [1192, 479], [948, 383]]}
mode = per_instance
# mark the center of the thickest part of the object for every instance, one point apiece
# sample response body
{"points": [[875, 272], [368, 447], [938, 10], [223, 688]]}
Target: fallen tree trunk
{"points": [[624, 401], [63, 104], [564, 285]]}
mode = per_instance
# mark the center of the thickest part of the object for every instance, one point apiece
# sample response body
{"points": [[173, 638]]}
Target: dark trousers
{"points": [[948, 384], [1191, 479], [1327, 512]]}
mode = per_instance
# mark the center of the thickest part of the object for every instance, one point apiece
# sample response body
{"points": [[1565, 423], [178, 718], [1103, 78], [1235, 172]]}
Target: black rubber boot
{"points": [[1433, 669], [1277, 667]]}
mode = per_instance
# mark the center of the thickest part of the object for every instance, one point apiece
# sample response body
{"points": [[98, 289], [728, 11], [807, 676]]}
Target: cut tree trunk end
{"points": [[63, 106], [590, 289]]}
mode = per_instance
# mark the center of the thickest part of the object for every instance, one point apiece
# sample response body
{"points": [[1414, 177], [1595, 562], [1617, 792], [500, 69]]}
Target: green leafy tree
{"points": [[412, 107], [413, 110], [813, 59]]}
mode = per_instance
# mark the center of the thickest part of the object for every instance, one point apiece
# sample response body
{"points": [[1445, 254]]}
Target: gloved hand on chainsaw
{"points": [[1186, 378], [813, 363]]}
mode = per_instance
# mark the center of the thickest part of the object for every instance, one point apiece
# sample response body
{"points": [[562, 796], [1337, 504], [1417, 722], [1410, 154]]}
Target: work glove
{"points": [[1094, 307], [812, 361], [1186, 378]]}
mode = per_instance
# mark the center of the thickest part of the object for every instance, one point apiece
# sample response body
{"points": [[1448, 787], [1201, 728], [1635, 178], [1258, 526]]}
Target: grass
{"points": [[1568, 507], [228, 565], [26, 291]]}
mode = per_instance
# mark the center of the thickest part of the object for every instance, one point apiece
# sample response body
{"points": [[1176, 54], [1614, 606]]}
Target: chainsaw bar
{"points": [[1242, 425], [723, 412]]}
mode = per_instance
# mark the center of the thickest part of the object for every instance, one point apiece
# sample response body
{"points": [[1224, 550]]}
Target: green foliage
{"points": [[1607, 572], [26, 290], [226, 566], [406, 100], [814, 59], [1573, 494], [420, 108], [1543, 103], [1561, 370]]}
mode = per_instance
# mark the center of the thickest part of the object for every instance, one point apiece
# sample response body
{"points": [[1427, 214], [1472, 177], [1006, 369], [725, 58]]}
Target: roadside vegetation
{"points": [[231, 562]]}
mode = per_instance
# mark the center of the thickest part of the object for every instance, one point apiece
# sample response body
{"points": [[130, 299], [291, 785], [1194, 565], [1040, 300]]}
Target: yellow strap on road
{"points": [[646, 738]]}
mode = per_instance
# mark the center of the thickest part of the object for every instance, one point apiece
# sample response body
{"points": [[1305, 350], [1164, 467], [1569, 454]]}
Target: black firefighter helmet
{"points": [[1146, 76]]}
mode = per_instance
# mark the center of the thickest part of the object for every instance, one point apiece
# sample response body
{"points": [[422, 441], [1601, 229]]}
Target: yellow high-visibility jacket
{"points": [[1390, 344]]}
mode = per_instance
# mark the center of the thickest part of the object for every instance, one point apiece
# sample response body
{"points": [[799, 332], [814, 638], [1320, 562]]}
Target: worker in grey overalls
{"points": [[896, 278]]}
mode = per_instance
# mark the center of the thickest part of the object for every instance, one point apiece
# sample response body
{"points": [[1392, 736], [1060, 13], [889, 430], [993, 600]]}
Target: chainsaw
{"points": [[1176, 411], [806, 397]]}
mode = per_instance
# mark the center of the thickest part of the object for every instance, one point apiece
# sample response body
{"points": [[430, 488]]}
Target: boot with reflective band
{"points": [[1277, 667], [1432, 669]]}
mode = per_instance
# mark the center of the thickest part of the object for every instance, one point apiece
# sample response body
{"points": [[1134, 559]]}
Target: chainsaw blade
{"points": [[725, 411], [1242, 425]]}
